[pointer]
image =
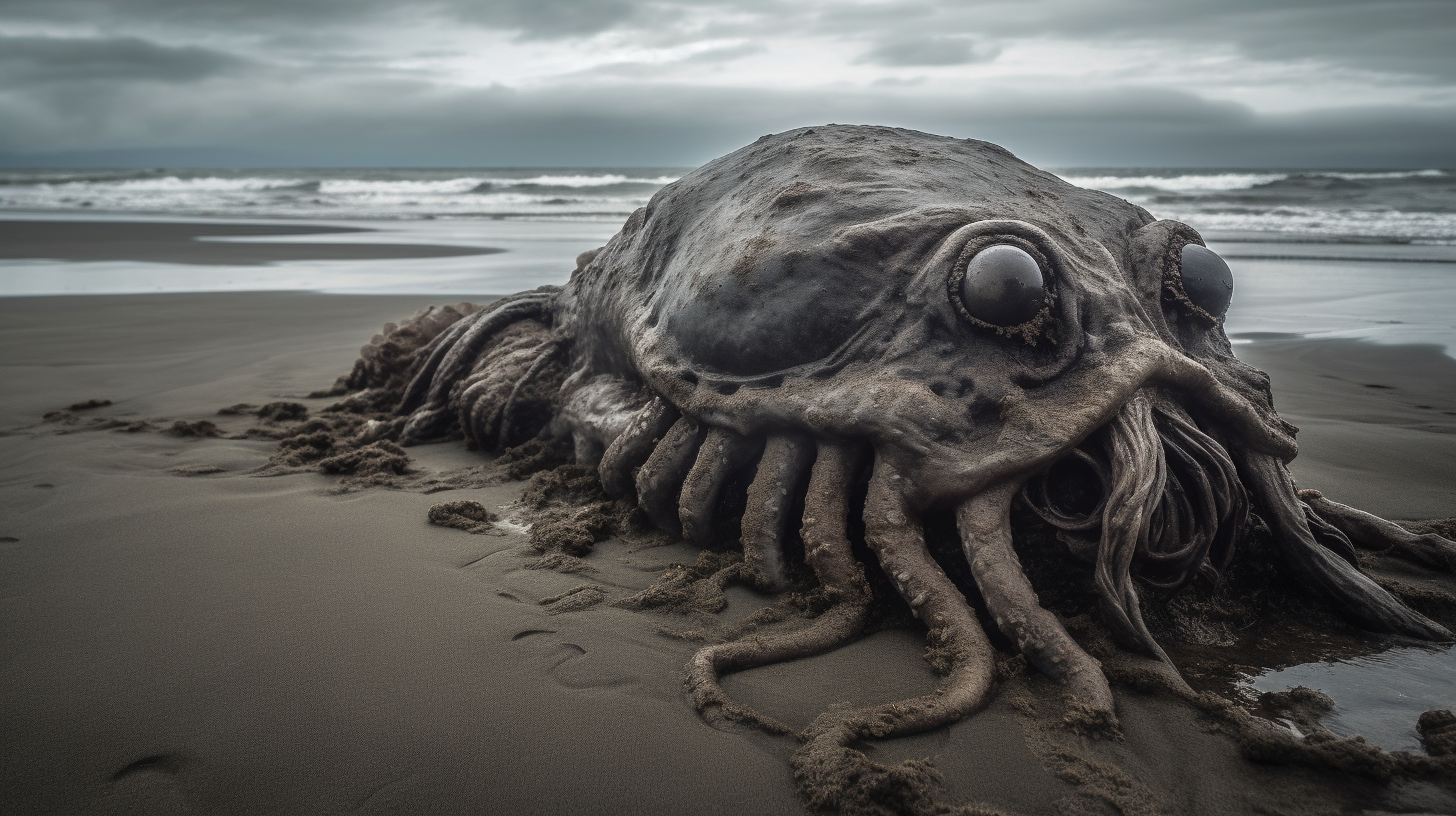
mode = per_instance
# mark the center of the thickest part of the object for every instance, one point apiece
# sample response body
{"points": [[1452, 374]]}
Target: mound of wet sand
{"points": [[230, 642]]}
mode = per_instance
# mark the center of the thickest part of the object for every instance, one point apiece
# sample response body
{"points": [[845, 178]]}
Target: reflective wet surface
{"points": [[1377, 696]]}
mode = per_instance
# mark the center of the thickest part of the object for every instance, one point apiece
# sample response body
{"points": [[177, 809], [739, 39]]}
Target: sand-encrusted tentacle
{"points": [[1139, 472], [481, 399], [1354, 595], [841, 578], [522, 416], [958, 644], [1375, 533], [661, 476], [478, 411], [419, 384], [429, 415], [777, 485], [827, 768], [827, 550], [722, 454], [985, 527], [634, 445]]}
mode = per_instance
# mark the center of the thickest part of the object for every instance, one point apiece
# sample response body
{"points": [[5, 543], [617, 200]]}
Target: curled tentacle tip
{"points": [[1309, 494]]}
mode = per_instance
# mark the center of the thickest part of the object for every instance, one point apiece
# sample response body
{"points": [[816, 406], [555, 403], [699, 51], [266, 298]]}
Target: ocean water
{"points": [[1371, 207], [1415, 207], [606, 194]]}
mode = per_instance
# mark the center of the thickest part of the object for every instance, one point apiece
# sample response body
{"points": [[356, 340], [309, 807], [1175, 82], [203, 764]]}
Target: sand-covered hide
{"points": [[179, 635]]}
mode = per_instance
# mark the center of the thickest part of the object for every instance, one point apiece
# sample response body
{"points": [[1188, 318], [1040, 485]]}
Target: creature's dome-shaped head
{"points": [[927, 292]]}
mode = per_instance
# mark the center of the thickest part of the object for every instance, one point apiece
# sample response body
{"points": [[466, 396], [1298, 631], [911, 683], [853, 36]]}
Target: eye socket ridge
{"points": [[998, 292]]}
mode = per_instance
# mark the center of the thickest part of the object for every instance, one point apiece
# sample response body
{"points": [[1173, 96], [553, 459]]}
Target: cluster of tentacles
{"points": [[1153, 494]]}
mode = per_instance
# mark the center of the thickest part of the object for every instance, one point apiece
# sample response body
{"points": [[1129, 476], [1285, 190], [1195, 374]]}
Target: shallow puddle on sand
{"points": [[1378, 696]]}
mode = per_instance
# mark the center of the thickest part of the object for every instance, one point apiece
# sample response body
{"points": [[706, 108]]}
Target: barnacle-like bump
{"points": [[1003, 286], [1207, 279]]}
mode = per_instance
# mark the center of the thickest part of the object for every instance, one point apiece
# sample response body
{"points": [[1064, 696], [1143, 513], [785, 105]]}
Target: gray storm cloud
{"points": [[114, 59], [931, 50], [360, 82]]}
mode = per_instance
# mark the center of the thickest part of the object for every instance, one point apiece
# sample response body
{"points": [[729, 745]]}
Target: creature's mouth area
{"points": [[1153, 493]]}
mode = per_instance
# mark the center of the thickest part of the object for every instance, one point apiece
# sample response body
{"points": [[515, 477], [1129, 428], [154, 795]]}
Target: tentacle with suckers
{"points": [[633, 446], [723, 453], [660, 478], [841, 578], [959, 650], [777, 484], [984, 522]]}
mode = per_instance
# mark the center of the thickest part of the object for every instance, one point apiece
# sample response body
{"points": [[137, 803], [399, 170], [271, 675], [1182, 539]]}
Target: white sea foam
{"points": [[581, 180], [1186, 183], [1218, 182], [1391, 225]]}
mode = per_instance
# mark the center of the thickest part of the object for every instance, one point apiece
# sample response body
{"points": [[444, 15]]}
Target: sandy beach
{"points": [[221, 642]]}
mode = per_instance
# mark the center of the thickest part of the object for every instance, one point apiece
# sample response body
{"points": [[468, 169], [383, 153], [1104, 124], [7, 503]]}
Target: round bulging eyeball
{"points": [[1003, 286], [1207, 279]]}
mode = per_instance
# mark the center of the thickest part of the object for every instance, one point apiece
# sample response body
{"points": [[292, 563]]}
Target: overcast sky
{"points": [[645, 83]]}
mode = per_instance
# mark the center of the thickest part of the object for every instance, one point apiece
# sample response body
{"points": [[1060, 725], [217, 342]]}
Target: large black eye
{"points": [[1003, 286], [1207, 279]]}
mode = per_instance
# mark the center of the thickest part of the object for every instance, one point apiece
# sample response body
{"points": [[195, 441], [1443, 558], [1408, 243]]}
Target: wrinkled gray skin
{"points": [[794, 304]]}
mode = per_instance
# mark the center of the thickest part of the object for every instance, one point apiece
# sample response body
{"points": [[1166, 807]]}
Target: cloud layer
{"points": [[633, 82]]}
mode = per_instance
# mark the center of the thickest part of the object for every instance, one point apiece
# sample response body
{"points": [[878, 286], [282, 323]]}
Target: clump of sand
{"points": [[193, 429], [470, 516], [1438, 732]]}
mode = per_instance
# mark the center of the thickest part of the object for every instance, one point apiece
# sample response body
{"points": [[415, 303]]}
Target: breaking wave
{"points": [[1391, 206]]}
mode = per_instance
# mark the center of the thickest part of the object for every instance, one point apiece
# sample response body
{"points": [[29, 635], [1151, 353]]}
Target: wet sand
{"points": [[192, 243], [225, 643]]}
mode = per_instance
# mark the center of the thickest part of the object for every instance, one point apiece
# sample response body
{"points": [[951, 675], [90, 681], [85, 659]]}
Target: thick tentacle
{"points": [[955, 633], [841, 578], [534, 387], [1138, 474], [723, 453], [1330, 536], [458, 360], [429, 413], [958, 644], [661, 476], [419, 385], [985, 526], [1353, 594], [634, 446], [777, 483], [479, 401], [478, 412], [1375, 533]]}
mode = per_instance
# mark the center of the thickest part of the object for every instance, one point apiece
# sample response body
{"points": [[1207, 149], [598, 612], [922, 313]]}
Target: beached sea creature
{"points": [[863, 326]]}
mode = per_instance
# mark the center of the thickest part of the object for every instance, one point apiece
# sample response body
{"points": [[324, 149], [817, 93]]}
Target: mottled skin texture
{"points": [[790, 316], [809, 271]]}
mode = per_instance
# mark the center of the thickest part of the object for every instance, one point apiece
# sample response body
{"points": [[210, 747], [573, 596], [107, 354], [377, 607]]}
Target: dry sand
{"points": [[225, 643]]}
